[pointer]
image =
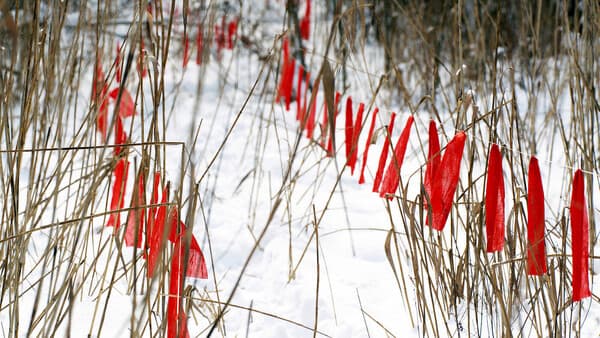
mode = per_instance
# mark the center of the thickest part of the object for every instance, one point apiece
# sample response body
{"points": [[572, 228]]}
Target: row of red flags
{"points": [[224, 35], [147, 225], [442, 175]]}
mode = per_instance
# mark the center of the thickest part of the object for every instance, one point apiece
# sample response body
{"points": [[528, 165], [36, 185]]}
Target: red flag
{"points": [[494, 201], [338, 97], [536, 247], [173, 223], [304, 109], [156, 240], [196, 265], [355, 137], [231, 30], [433, 160], [446, 180], [186, 50], [118, 193], [154, 197], [384, 154], [135, 218], [285, 50], [126, 107], [391, 179], [120, 135], [196, 262], [299, 112], [580, 239], [176, 316], [349, 130], [287, 75], [151, 218], [101, 100], [305, 23], [361, 180], [289, 78]]}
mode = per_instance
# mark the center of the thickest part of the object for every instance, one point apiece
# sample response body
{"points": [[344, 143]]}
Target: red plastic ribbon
{"points": [[186, 50], [384, 154], [176, 316], [434, 158], [99, 81], [156, 239], [446, 180], [305, 23], [391, 179], [356, 136], [287, 75], [304, 109], [494, 201], [196, 265], [126, 106], [299, 112], [196, 268], [120, 135], [312, 114], [151, 218], [349, 130], [136, 218], [118, 192], [580, 239], [361, 179], [536, 247], [231, 30]]}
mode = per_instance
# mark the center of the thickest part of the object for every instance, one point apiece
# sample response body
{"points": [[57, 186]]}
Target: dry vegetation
{"points": [[524, 75]]}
